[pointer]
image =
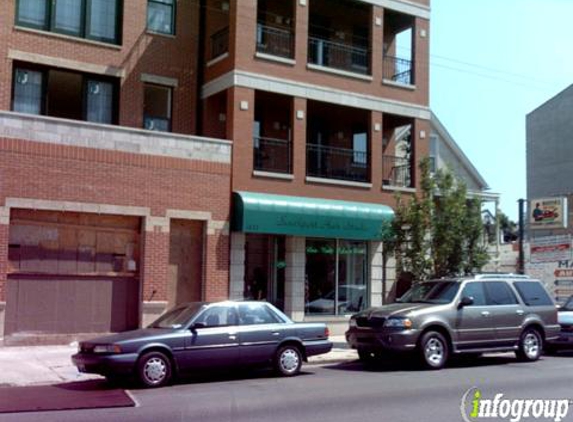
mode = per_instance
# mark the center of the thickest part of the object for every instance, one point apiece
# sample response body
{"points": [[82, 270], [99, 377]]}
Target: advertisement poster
{"points": [[548, 213]]}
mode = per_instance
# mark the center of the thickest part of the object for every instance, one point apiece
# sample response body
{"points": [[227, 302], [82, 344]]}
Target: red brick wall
{"points": [[155, 265], [3, 260], [240, 129], [215, 106], [243, 26], [140, 52], [217, 269], [63, 173]]}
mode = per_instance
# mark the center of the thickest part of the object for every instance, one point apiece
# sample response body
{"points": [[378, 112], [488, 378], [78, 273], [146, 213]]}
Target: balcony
{"points": [[399, 48], [219, 43], [337, 163], [275, 41], [272, 155], [398, 70], [341, 56], [396, 171]]}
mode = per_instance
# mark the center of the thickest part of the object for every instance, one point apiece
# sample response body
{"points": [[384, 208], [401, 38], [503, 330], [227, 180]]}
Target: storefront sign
{"points": [[548, 213], [310, 217], [328, 250], [550, 249]]}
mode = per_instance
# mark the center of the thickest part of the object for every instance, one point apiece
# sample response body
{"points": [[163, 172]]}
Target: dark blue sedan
{"points": [[565, 319], [205, 335]]}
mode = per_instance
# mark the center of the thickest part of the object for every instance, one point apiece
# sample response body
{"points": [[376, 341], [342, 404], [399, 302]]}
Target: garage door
{"points": [[72, 273]]}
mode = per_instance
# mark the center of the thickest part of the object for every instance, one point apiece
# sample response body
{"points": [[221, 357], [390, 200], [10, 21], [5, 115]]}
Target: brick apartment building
{"points": [[161, 151]]}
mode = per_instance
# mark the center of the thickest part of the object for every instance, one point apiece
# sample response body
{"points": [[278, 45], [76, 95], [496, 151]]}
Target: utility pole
{"points": [[520, 261]]}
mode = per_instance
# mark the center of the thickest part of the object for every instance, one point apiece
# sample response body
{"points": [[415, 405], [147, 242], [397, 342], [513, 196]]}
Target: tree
{"points": [[438, 232], [508, 228]]}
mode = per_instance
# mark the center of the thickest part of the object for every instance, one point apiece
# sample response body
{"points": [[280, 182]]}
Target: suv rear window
{"points": [[499, 293], [532, 293]]}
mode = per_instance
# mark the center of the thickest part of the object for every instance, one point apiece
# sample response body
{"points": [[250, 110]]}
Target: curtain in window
{"points": [[99, 102], [157, 108], [68, 16], [32, 12], [102, 19], [160, 16], [28, 92], [360, 145]]}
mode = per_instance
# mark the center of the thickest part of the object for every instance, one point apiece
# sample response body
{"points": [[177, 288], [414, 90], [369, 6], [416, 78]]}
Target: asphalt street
{"points": [[394, 391]]}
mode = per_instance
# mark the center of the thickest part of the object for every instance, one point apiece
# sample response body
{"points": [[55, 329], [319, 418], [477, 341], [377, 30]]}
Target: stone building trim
{"points": [[66, 63], [313, 92], [77, 133]]}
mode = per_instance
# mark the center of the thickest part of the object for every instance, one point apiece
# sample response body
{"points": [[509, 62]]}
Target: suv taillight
{"points": [[326, 332]]}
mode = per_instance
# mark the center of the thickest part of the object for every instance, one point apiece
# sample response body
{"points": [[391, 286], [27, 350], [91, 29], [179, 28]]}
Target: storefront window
{"points": [[265, 269], [352, 276], [335, 277]]}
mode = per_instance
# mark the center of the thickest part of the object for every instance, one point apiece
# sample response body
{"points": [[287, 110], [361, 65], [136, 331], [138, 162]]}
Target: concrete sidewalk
{"points": [[37, 365]]}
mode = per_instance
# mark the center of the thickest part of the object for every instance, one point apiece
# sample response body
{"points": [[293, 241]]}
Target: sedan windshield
{"points": [[177, 317], [431, 292], [568, 305]]}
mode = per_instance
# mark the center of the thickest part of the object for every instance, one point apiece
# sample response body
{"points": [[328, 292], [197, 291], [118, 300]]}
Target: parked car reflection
{"points": [[351, 298]]}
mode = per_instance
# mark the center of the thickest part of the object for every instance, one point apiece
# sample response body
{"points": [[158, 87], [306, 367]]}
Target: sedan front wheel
{"points": [[154, 369]]}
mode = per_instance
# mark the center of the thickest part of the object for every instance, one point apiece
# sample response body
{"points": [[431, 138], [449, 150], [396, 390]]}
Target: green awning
{"points": [[309, 217]]}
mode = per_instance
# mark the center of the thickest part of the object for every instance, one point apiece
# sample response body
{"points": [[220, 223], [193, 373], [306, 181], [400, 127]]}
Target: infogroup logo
{"points": [[474, 407]]}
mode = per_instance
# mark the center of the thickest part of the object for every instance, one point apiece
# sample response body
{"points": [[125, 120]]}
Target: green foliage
{"points": [[508, 228], [438, 232]]}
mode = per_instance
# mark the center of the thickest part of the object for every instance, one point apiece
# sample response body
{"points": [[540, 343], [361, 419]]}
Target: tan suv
{"points": [[437, 318]]}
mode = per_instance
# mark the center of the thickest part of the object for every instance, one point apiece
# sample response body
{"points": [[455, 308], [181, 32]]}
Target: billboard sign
{"points": [[548, 213], [550, 248]]}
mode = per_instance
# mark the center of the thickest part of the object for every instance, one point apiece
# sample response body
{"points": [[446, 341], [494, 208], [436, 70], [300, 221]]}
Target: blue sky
{"points": [[492, 62]]}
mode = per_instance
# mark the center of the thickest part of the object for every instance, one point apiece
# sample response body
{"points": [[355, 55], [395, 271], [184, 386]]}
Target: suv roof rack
{"points": [[501, 275]]}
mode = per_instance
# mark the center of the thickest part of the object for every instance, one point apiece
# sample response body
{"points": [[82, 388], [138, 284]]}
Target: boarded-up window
{"points": [[48, 242]]}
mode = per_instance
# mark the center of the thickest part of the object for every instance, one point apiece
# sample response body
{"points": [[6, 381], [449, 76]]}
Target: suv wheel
{"points": [[288, 360], [434, 350], [530, 345], [154, 369]]}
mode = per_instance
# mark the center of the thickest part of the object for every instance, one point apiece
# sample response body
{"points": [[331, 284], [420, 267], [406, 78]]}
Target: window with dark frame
{"points": [[64, 94], [157, 103], [98, 20], [161, 16]]}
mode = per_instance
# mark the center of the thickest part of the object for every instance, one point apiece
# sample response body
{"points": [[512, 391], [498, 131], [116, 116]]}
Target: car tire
{"points": [[434, 350], [154, 369], [530, 345], [288, 360]]}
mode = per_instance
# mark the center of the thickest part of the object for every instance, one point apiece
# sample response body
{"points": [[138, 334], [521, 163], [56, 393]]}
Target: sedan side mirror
{"points": [[466, 301], [197, 325]]}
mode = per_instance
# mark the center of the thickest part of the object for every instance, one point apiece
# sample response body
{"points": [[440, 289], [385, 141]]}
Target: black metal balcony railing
{"points": [[220, 43], [338, 55], [398, 70], [396, 171], [337, 163], [275, 41], [272, 155]]}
